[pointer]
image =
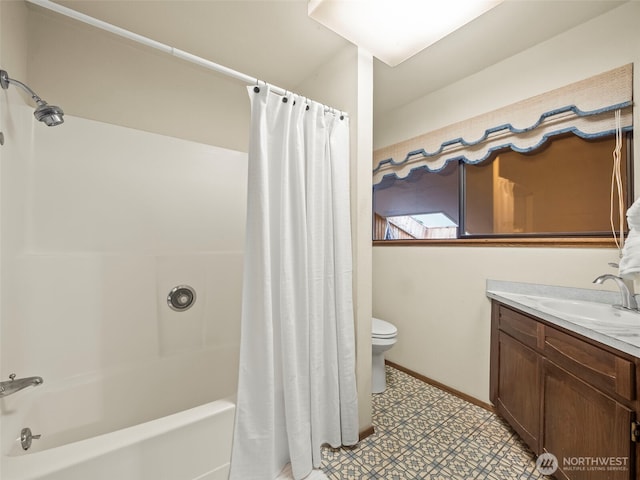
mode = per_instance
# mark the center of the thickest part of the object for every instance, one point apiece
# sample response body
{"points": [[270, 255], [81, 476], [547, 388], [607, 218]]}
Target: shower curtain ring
{"points": [[257, 87]]}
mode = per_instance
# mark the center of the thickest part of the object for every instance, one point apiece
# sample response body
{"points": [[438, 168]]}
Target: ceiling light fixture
{"points": [[395, 30]]}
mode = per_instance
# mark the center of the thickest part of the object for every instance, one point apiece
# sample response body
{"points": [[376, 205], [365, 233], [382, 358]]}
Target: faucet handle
{"points": [[26, 437], [12, 377]]}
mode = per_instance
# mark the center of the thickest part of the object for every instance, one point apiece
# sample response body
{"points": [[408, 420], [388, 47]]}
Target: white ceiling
{"points": [[276, 41]]}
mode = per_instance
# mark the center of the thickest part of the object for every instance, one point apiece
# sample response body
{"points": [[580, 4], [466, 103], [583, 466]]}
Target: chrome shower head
{"points": [[49, 114]]}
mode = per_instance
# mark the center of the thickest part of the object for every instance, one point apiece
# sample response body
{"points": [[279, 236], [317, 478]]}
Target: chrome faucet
{"points": [[12, 386], [628, 300]]}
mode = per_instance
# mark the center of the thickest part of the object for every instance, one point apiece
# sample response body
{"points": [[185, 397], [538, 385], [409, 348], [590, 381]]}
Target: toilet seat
{"points": [[383, 330]]}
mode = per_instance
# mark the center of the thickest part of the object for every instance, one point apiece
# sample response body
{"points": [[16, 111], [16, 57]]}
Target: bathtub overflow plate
{"points": [[181, 298]]}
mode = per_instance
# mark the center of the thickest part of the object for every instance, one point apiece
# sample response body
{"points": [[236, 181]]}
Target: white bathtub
{"points": [[170, 420], [190, 445]]}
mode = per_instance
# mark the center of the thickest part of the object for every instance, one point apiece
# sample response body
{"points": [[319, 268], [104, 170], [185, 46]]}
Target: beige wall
{"points": [[362, 209], [436, 295], [96, 75], [13, 38]]}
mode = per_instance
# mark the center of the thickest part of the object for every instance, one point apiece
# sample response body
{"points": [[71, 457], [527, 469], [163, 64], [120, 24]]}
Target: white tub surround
{"points": [[582, 311], [77, 409], [99, 224], [153, 422]]}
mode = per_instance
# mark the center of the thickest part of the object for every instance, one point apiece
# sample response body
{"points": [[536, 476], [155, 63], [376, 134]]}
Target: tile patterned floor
{"points": [[424, 433]]}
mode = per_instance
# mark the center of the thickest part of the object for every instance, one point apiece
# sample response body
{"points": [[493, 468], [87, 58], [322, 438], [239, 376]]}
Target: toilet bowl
{"points": [[383, 336]]}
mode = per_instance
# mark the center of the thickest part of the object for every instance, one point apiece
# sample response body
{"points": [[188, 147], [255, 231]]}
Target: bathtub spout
{"points": [[15, 385]]}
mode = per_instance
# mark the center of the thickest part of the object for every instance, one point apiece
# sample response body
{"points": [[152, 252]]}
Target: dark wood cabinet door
{"points": [[518, 392], [586, 430]]}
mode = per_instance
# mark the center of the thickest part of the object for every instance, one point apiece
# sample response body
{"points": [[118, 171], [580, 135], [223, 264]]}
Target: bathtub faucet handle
{"points": [[26, 437]]}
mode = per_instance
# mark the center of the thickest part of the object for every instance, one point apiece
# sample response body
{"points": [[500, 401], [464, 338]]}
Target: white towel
{"points": [[633, 215], [630, 261]]}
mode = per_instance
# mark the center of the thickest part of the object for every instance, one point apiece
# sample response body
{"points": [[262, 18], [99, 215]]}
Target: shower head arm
{"points": [[5, 81], [50, 115]]}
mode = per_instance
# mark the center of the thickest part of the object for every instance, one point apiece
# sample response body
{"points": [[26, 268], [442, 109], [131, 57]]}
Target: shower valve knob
{"points": [[26, 437]]}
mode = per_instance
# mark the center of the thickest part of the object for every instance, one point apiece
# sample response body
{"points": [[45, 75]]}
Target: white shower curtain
{"points": [[296, 387]]}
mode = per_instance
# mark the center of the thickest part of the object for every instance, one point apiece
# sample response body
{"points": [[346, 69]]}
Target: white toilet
{"points": [[383, 337]]}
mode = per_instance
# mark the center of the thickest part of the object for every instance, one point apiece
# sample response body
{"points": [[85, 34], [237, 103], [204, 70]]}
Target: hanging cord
{"points": [[616, 189]]}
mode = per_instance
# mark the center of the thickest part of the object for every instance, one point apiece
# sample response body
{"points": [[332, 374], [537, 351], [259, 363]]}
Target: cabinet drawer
{"points": [[605, 370], [519, 326]]}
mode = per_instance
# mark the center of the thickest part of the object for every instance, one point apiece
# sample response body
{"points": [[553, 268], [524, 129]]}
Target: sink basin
{"points": [[596, 320], [593, 313]]}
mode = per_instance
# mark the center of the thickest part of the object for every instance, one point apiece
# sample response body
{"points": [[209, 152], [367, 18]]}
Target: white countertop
{"points": [[618, 330]]}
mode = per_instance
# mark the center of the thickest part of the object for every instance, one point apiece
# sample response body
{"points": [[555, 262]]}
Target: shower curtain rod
{"points": [[189, 57]]}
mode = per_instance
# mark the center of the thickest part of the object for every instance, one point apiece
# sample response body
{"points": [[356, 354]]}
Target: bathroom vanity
{"points": [[565, 374]]}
